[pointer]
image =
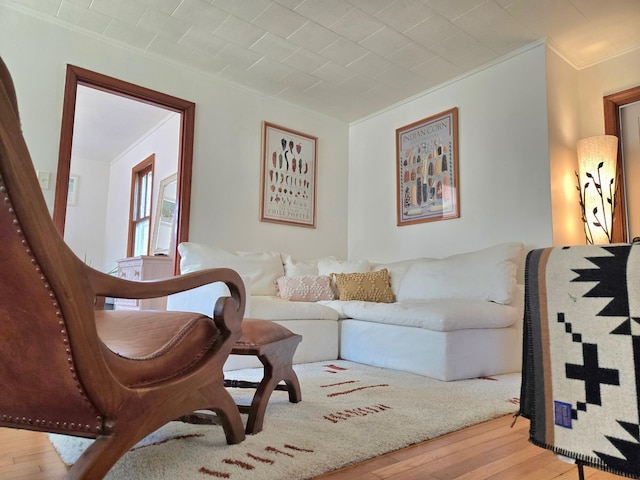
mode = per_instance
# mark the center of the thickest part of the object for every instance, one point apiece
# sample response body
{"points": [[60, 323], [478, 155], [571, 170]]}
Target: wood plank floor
{"points": [[491, 450]]}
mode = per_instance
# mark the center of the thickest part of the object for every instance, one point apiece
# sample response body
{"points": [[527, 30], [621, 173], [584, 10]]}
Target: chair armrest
{"points": [[104, 285], [202, 299]]}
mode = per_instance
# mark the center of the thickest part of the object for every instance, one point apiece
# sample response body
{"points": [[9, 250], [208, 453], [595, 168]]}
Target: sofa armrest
{"points": [[518, 303]]}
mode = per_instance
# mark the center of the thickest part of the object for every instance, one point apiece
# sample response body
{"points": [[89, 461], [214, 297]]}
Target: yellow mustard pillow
{"points": [[370, 286]]}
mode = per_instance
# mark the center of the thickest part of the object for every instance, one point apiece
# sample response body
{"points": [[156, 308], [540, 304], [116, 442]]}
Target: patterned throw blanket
{"points": [[581, 363]]}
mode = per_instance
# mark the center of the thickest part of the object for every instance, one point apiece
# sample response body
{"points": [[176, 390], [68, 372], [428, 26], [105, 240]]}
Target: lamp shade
{"points": [[593, 150], [597, 172]]}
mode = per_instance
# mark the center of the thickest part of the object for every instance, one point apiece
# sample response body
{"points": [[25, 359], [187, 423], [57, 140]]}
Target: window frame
{"points": [[144, 167]]}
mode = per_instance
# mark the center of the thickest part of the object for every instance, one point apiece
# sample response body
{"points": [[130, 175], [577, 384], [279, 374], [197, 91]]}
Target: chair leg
{"points": [[580, 470], [229, 415], [102, 454]]}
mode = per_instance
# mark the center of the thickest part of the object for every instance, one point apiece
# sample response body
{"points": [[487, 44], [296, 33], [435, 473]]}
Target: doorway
{"points": [[621, 119], [79, 80]]}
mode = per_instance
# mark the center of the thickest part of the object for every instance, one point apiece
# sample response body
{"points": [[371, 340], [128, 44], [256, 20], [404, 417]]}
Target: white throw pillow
{"points": [[299, 268], [329, 265], [262, 268], [397, 270], [488, 274]]}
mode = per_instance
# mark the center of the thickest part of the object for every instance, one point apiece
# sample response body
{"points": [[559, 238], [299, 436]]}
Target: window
{"points": [[140, 212]]}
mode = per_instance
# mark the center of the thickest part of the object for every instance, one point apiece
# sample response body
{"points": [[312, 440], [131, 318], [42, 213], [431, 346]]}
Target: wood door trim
{"points": [[80, 76]]}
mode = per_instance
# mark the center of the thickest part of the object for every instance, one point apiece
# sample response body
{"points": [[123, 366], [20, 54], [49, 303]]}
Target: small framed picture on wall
{"points": [[72, 194], [427, 169], [288, 183]]}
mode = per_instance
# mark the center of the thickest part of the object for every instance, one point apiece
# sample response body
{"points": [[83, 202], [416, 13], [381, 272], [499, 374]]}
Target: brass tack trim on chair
{"points": [[97, 428]]}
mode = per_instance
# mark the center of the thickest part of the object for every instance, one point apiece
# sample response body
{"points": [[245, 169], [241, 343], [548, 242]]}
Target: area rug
{"points": [[349, 413]]}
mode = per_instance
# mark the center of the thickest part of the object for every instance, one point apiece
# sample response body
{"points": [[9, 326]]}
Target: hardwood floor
{"points": [[490, 450]]}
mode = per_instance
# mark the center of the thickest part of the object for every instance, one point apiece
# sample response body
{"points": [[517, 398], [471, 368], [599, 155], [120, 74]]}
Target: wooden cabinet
{"points": [[143, 268]]}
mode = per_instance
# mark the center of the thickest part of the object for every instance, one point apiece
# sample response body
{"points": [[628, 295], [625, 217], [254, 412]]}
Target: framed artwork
{"points": [[427, 169], [288, 183]]}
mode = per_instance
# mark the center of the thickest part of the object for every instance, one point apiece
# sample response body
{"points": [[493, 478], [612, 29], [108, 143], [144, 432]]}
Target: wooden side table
{"points": [[274, 345]]}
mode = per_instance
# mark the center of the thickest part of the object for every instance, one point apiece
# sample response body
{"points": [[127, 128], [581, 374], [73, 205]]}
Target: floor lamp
{"points": [[596, 186]]}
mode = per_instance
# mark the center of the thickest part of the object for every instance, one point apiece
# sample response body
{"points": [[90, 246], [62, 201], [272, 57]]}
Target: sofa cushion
{"points": [[297, 268], [440, 315], [329, 265], [274, 308], [397, 270], [262, 268], [305, 288], [488, 274], [337, 306], [369, 286]]}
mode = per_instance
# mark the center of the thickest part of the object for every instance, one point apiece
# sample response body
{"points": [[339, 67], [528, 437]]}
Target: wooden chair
{"points": [[69, 368]]}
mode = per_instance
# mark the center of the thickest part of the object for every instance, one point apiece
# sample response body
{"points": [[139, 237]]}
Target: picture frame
{"points": [[427, 169], [288, 176], [164, 224]]}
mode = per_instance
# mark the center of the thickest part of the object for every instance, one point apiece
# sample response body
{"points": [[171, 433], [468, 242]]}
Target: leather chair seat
{"points": [[256, 332], [153, 346]]}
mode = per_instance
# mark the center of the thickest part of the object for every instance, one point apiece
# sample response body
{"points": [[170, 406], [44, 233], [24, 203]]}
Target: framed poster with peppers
{"points": [[427, 169], [288, 184]]}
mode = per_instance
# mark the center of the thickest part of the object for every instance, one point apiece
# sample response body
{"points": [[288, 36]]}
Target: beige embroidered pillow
{"points": [[369, 287], [305, 288]]}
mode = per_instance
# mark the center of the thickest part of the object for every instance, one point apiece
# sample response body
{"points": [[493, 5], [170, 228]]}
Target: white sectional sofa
{"points": [[452, 318]]}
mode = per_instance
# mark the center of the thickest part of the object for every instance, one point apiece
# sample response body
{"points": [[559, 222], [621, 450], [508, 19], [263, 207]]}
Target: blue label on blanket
{"points": [[562, 414]]}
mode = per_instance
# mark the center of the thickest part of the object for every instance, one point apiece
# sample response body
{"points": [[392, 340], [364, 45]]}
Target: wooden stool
{"points": [[274, 345]]}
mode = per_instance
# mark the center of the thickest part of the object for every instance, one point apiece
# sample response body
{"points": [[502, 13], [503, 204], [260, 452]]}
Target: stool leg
{"points": [[277, 367], [282, 361], [260, 400], [290, 378]]}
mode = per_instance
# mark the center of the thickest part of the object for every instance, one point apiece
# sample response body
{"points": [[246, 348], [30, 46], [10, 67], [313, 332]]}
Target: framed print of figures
{"points": [[288, 186], [427, 169]]}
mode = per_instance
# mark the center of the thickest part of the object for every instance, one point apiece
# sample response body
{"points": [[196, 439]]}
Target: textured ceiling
{"points": [[348, 58], [106, 125]]}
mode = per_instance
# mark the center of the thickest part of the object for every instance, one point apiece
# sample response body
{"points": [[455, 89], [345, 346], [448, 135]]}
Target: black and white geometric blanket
{"points": [[581, 362]]}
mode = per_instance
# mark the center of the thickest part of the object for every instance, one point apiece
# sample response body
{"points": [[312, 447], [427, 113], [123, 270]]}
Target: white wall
{"points": [[226, 170], [598, 81], [163, 143], [563, 107], [516, 163], [612, 76], [84, 230], [503, 166], [576, 111]]}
